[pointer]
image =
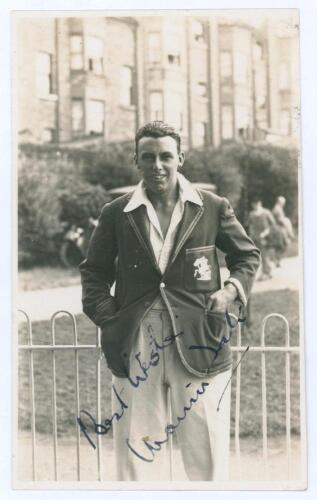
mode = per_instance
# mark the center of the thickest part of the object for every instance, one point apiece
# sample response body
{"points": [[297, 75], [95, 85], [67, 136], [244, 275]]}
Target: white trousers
{"points": [[141, 436]]}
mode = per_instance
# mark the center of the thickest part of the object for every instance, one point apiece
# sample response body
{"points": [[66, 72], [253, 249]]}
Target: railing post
{"points": [[54, 412], [287, 386], [264, 402], [77, 399], [99, 442], [237, 409], [32, 397], [54, 398]]}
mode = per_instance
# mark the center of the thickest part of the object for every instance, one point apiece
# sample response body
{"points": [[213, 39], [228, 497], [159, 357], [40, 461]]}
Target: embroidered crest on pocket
{"points": [[202, 269]]}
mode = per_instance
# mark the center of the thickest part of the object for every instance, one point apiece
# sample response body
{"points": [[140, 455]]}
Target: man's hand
{"points": [[222, 299]]}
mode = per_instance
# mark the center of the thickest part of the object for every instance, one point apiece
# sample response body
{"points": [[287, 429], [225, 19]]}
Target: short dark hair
{"points": [[157, 129]]}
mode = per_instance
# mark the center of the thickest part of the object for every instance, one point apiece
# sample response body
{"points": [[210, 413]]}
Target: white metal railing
{"points": [[239, 349]]}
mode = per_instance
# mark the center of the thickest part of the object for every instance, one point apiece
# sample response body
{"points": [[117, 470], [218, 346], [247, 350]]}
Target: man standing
{"points": [[283, 231], [262, 232], [166, 326]]}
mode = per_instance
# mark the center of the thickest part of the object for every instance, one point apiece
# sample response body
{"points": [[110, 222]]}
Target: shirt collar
{"points": [[187, 192]]}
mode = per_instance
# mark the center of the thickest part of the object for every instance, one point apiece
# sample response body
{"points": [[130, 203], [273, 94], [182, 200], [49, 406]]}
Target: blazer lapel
{"points": [[191, 216], [139, 222]]}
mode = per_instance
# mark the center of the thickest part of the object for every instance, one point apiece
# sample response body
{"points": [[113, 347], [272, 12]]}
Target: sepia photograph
{"points": [[158, 304]]}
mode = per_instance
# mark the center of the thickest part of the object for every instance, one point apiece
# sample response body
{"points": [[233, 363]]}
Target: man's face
{"points": [[158, 160]]}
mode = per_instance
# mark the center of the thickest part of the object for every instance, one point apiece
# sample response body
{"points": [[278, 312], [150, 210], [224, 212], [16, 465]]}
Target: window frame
{"points": [[77, 53], [225, 75], [201, 37], [223, 107], [78, 131], [129, 89], [157, 52], [90, 133], [201, 85], [95, 65], [204, 136], [158, 112]]}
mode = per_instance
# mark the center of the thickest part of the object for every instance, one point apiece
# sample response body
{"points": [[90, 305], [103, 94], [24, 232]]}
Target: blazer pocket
{"points": [[201, 270], [217, 324]]}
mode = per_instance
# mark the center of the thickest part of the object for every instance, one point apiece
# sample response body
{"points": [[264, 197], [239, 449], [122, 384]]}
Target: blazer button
{"points": [[162, 285]]}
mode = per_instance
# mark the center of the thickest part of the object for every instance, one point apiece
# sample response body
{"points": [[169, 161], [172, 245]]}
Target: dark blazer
{"points": [[120, 251]]}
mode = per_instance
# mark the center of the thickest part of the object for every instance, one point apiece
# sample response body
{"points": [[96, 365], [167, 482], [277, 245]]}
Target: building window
{"points": [[198, 31], [201, 89], [44, 85], [173, 50], [285, 122], [126, 86], [242, 117], [227, 122], [242, 121], [94, 54], [95, 117], [47, 135], [284, 76], [156, 106], [240, 68], [200, 134], [174, 110], [154, 44], [225, 64], [257, 51], [76, 52], [77, 116]]}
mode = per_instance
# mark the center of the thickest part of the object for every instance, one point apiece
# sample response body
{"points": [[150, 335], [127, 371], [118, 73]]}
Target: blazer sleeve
{"points": [[242, 256], [98, 269]]}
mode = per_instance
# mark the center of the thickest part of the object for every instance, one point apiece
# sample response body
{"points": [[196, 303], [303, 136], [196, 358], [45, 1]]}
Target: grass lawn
{"points": [[40, 278], [285, 302]]}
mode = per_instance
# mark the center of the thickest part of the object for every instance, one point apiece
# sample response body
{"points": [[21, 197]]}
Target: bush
{"points": [[38, 213], [112, 166], [79, 203], [52, 194]]}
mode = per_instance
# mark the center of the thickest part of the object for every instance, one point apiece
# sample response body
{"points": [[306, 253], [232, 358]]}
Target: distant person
{"points": [[261, 227], [283, 233]]}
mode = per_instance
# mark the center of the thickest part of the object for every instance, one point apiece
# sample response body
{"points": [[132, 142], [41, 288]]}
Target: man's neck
{"points": [[166, 199]]}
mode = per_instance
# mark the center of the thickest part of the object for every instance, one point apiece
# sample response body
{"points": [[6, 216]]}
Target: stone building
{"points": [[89, 80]]}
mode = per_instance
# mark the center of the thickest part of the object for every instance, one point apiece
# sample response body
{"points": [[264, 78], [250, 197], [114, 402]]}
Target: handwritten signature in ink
{"points": [[104, 428], [154, 358], [156, 445], [107, 423]]}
